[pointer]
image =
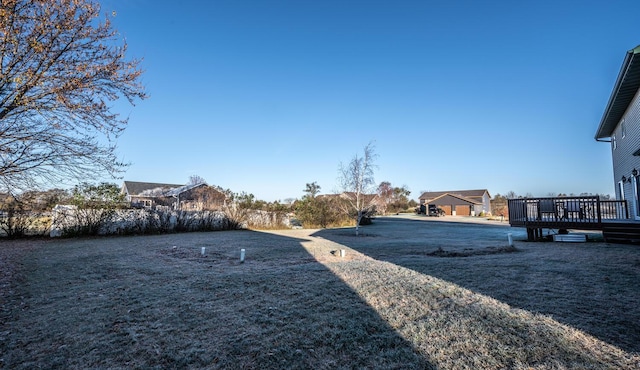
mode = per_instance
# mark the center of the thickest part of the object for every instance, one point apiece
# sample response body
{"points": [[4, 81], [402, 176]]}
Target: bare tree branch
{"points": [[60, 70]]}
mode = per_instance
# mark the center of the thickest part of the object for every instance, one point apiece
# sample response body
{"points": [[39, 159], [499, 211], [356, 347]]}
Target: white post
{"points": [[510, 237], [342, 253], [202, 252], [241, 255]]}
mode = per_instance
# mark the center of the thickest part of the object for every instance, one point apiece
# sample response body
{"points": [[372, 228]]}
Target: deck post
{"points": [[626, 209], [598, 211]]}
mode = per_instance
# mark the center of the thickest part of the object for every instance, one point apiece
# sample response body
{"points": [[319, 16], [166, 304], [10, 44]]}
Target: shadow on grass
{"points": [[158, 302], [591, 287]]}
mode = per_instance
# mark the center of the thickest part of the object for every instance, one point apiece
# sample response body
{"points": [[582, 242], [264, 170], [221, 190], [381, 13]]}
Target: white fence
{"points": [[69, 220]]}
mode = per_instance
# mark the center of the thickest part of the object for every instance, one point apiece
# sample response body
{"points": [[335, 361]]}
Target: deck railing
{"points": [[565, 212]]}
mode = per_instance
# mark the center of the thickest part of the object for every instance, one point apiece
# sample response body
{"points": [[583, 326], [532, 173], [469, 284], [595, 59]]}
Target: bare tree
{"points": [[196, 180], [357, 183], [61, 69], [385, 191], [511, 195]]}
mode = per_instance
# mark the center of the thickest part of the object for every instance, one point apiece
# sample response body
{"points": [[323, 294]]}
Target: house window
{"points": [[614, 144], [623, 129]]}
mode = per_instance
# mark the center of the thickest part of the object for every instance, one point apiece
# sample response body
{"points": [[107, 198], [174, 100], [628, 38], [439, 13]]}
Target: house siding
{"points": [[481, 197], [486, 204], [623, 159]]}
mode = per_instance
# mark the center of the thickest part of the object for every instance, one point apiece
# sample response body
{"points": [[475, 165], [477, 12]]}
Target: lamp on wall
{"points": [[624, 179], [634, 172]]}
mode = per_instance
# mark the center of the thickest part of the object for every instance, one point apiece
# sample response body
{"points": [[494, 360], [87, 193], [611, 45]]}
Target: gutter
{"points": [[620, 81]]}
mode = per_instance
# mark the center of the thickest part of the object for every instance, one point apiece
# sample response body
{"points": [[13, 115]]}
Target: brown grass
{"points": [[156, 302]]}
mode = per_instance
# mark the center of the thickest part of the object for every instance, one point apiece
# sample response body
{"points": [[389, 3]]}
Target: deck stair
{"points": [[621, 233]]}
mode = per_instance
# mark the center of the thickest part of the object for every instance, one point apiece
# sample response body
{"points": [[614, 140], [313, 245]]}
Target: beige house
{"points": [[459, 202], [193, 197]]}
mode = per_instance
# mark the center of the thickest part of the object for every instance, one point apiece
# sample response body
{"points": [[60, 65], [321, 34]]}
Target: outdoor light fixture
{"points": [[624, 179], [634, 172]]}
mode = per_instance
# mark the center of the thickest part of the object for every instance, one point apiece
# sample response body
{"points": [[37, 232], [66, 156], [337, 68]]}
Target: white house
{"points": [[620, 126]]}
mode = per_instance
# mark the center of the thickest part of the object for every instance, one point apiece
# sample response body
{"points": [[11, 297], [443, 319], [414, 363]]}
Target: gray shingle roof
{"points": [[461, 193], [136, 188], [625, 89]]}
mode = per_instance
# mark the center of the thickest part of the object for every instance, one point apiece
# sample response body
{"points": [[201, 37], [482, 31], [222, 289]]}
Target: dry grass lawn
{"points": [[408, 294]]}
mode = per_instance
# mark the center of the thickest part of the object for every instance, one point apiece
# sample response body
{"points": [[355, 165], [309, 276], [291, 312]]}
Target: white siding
{"points": [[623, 159]]}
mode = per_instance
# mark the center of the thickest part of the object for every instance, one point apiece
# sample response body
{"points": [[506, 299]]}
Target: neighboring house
{"points": [[198, 197], [185, 197], [147, 194], [620, 126], [459, 202]]}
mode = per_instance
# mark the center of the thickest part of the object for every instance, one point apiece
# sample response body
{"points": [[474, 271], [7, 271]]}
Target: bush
{"points": [[318, 212]]}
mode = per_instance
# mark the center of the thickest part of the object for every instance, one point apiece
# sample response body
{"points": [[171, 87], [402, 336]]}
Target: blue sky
{"points": [[266, 96]]}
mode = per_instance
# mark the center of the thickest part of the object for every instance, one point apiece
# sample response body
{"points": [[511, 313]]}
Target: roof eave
{"points": [[624, 90]]}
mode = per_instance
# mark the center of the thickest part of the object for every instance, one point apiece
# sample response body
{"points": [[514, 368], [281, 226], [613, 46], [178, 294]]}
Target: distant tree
{"points": [[511, 195], [52, 197], [394, 199], [322, 211], [357, 182], [196, 180], [36, 200], [401, 199], [61, 70], [20, 215], [317, 211], [103, 195], [499, 205], [95, 205], [401, 192], [312, 189], [386, 192], [237, 208], [386, 195]]}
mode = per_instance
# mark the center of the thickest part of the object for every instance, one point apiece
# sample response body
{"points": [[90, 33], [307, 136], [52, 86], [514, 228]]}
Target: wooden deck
{"points": [[582, 213]]}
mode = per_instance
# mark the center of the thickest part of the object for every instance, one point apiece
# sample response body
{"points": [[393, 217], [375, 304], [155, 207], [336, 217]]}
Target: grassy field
{"points": [[408, 294]]}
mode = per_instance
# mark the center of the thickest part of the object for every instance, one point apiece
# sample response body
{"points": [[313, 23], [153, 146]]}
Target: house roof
{"points": [[624, 91], [184, 188], [461, 193], [136, 188], [446, 199]]}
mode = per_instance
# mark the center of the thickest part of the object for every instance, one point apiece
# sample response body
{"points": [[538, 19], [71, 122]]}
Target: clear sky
{"points": [[266, 96]]}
